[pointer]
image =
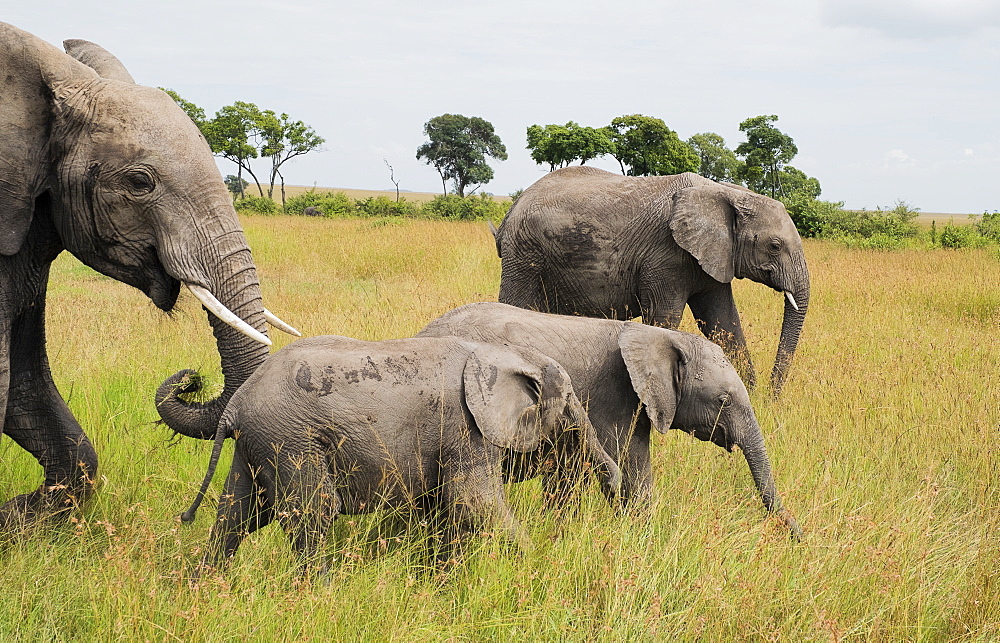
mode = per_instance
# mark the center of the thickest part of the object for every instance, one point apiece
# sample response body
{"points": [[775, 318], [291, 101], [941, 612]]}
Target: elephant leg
{"points": [[637, 471], [717, 317], [472, 498], [659, 306], [306, 507], [244, 507], [563, 473], [39, 421]]}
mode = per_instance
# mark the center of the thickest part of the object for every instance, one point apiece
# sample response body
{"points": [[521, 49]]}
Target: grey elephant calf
{"points": [[633, 376], [333, 425]]}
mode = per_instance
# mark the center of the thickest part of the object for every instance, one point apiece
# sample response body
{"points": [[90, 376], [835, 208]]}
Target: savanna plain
{"points": [[884, 445]]}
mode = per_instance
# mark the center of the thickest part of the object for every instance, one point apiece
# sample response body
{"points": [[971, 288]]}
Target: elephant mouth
{"points": [[163, 291]]}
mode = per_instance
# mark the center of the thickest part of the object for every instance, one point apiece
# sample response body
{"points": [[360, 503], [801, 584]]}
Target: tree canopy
{"points": [[765, 152], [717, 162], [458, 148], [648, 147], [242, 131], [560, 145], [282, 139]]}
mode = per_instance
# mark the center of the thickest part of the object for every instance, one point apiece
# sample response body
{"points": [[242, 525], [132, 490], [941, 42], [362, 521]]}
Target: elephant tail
{"points": [[225, 424]]}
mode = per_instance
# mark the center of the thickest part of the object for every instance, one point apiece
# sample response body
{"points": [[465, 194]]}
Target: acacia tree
{"points": [[560, 145], [717, 162], [458, 148], [283, 139], [194, 112], [764, 153], [648, 147]]}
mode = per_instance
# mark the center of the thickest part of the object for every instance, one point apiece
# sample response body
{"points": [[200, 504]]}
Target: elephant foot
{"points": [[48, 502]]}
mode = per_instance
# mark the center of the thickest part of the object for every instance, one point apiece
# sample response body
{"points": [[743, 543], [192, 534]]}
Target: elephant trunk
{"points": [[796, 305], [750, 440], [234, 283]]}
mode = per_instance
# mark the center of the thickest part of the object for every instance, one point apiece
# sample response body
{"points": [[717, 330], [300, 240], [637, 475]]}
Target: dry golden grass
{"points": [[884, 444]]}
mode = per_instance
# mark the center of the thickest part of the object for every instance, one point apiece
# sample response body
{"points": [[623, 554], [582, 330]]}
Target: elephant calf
{"points": [[334, 425], [633, 376]]}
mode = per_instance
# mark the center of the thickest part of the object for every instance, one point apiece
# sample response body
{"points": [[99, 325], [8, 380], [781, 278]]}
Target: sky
{"points": [[887, 100]]}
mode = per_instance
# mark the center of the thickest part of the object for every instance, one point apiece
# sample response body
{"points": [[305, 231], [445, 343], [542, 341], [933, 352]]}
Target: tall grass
{"points": [[884, 445]]}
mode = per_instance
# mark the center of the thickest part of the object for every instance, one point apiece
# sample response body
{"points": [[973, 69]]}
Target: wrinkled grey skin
{"points": [[331, 425], [582, 241], [117, 174], [632, 377]]}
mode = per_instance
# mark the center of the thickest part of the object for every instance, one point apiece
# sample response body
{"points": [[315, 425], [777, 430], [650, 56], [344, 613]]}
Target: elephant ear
{"points": [[99, 59], [702, 222], [655, 359], [33, 74], [503, 390]]}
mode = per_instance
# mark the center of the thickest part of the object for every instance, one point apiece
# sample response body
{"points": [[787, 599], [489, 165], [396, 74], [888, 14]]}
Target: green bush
{"points": [[989, 226], [809, 214], [383, 206], [963, 236], [895, 223], [256, 205], [330, 204], [452, 206]]}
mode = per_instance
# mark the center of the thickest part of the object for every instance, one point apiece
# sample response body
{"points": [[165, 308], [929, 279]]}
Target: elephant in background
{"points": [[632, 377], [331, 425], [117, 174], [583, 241]]}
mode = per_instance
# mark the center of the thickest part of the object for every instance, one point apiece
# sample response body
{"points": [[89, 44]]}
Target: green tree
{"points": [[234, 134], [560, 145], [235, 184], [764, 153], [282, 139], [794, 181], [648, 147], [717, 162], [458, 148], [196, 113]]}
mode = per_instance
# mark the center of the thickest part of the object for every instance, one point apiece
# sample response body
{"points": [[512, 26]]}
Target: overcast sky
{"points": [[886, 99]]}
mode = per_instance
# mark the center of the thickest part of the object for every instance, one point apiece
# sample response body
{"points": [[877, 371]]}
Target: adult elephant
{"points": [[583, 241], [117, 174]]}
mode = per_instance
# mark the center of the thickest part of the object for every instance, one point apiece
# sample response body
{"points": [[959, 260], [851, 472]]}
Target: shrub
{"points": [[809, 214], [383, 206], [452, 206], [954, 236], [256, 205], [897, 223], [989, 226], [331, 204]]}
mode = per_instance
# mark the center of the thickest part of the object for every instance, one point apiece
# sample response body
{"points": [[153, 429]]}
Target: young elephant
{"points": [[334, 425], [633, 376]]}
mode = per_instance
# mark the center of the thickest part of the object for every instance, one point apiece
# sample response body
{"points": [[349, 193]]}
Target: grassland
{"points": [[884, 444]]}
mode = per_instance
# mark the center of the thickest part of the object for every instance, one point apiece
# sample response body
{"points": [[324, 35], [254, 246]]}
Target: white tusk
{"points": [[280, 325], [791, 300], [215, 307]]}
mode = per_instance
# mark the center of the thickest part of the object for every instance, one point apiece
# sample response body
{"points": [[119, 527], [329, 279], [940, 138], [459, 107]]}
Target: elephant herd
{"points": [[553, 381]]}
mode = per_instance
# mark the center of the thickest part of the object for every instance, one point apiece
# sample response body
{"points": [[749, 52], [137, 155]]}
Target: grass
{"points": [[883, 442]]}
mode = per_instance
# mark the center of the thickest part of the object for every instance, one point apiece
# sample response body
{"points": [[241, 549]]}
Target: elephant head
{"points": [[685, 382], [130, 187], [733, 232], [519, 400]]}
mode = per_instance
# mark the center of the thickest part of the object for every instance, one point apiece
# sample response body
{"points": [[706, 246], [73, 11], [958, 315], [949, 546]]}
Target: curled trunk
{"points": [[235, 285]]}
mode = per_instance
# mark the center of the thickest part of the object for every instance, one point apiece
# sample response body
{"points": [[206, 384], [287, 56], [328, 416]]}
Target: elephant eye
{"points": [[139, 182], [775, 246]]}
